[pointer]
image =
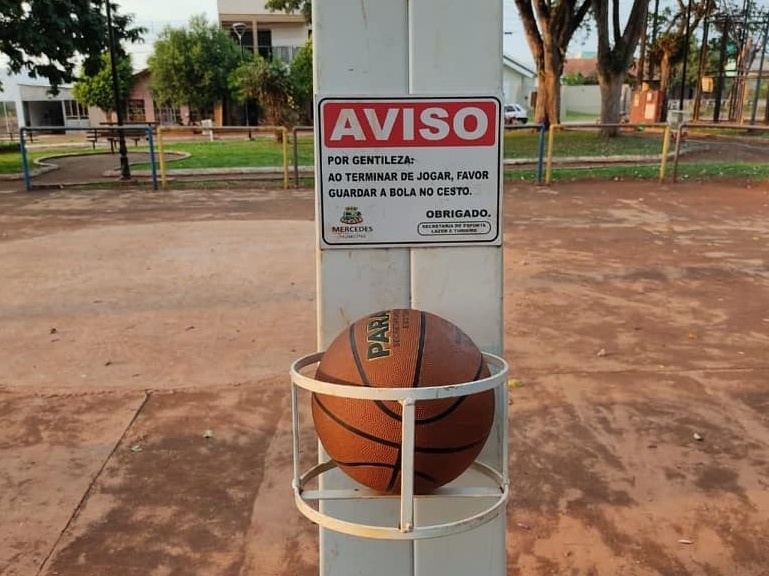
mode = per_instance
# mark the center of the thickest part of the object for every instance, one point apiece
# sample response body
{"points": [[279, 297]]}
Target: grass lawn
{"points": [[10, 158], [237, 153], [581, 142], [520, 143], [572, 116], [10, 162]]}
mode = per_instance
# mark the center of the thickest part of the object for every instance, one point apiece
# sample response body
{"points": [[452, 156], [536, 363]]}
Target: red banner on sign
{"points": [[412, 123]]}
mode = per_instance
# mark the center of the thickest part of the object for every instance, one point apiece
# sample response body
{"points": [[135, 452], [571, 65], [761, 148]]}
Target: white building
{"points": [[25, 101], [519, 81], [271, 34]]}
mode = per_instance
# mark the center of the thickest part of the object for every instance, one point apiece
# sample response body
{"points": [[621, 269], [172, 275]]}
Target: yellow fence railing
{"points": [[662, 130]]}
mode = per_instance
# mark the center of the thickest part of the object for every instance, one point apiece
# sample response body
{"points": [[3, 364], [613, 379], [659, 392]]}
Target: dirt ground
{"points": [[144, 402]]}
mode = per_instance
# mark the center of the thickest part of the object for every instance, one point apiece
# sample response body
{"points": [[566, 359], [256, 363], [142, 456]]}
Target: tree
{"points": [[615, 54], [549, 27], [97, 90], [190, 66], [668, 50], [270, 84], [45, 37], [301, 81], [304, 7], [579, 80]]}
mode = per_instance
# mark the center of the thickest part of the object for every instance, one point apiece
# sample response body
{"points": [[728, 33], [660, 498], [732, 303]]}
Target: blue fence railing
{"points": [[111, 133]]}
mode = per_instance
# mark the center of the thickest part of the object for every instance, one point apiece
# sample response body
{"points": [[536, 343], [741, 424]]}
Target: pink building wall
{"points": [[141, 106]]}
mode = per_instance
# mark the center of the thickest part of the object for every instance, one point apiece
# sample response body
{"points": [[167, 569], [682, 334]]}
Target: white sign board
{"points": [[411, 171]]}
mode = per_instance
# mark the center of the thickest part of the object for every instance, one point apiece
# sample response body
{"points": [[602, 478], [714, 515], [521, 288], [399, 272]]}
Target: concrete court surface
{"points": [[144, 410]]}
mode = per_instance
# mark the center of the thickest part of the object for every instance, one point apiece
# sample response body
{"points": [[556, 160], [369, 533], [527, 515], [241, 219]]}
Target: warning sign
{"points": [[409, 171]]}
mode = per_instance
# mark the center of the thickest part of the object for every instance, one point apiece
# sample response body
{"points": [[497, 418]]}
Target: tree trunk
{"points": [[549, 28], [611, 101], [548, 110], [664, 83], [615, 56]]}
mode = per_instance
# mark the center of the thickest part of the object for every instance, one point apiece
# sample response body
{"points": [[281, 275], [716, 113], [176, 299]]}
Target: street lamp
{"points": [[687, 37], [239, 28], [125, 169]]}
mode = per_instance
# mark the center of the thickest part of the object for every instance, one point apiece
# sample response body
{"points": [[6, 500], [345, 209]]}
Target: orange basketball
{"points": [[400, 349]]}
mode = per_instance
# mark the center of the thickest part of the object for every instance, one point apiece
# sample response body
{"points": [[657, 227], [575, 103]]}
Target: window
{"points": [[9, 124], [136, 111], [284, 53], [73, 110], [167, 114], [264, 43]]}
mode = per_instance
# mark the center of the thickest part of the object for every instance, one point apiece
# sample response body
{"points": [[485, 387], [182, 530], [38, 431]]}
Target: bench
{"points": [[93, 137], [112, 136]]}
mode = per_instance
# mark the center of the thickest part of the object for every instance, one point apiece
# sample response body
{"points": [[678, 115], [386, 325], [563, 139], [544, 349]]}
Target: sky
{"points": [[156, 14]]}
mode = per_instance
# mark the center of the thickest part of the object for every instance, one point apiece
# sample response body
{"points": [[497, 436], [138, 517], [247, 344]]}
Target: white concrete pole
{"points": [[425, 48]]}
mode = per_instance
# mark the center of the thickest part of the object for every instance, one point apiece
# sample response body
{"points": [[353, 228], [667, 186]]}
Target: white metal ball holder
{"points": [[483, 480]]}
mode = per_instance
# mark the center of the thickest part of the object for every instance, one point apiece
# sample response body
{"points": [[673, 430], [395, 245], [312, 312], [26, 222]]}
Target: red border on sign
{"points": [[410, 124]]}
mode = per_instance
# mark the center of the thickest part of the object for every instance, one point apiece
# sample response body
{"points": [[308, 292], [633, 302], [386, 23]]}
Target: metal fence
{"points": [[531, 152], [746, 136]]}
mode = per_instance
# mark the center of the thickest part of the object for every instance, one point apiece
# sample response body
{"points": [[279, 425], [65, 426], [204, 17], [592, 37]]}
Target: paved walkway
{"points": [[85, 168]]}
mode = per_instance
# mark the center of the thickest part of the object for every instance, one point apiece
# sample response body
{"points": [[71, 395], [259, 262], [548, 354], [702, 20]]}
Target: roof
{"points": [[585, 66], [517, 66]]}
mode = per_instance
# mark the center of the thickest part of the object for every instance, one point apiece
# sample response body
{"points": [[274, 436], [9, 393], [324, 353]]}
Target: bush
{"points": [[9, 147]]}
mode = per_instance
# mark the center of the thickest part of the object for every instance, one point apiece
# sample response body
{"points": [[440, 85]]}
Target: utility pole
{"points": [[760, 74], [738, 87], [125, 168], [721, 71], [239, 28], [702, 63], [687, 37], [642, 56], [655, 25]]}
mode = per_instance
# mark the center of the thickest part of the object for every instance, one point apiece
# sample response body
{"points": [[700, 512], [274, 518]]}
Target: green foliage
{"points": [[9, 147], [44, 37], [190, 66], [270, 84], [301, 80], [579, 80], [97, 89], [671, 25], [304, 7]]}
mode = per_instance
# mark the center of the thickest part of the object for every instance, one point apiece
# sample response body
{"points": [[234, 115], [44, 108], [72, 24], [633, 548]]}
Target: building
{"points": [[273, 35], [519, 81], [583, 67], [26, 101], [141, 108]]}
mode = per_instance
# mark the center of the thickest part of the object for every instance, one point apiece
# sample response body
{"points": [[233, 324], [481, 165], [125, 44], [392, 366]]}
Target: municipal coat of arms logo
{"points": [[351, 215]]}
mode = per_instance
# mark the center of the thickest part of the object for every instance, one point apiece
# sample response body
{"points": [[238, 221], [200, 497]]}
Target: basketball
{"points": [[402, 348]]}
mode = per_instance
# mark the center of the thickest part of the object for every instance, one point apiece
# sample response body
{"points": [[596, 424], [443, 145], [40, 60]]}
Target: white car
{"points": [[515, 114]]}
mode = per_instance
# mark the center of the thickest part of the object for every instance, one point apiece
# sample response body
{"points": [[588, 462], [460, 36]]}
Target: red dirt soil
{"points": [[145, 340]]}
